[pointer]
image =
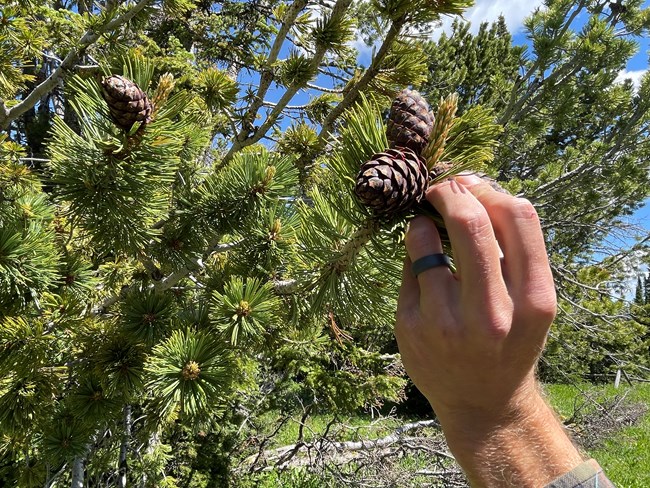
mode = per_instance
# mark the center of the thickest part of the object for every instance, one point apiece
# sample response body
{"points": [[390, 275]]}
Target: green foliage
{"points": [[296, 70], [421, 10], [189, 372], [245, 310], [596, 335], [404, 65], [332, 32], [217, 89], [472, 139], [299, 139], [67, 439], [119, 363], [210, 272], [146, 316]]}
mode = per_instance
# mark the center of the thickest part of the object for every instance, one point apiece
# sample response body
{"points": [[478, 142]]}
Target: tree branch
{"points": [[515, 105], [165, 284], [267, 71], [351, 93], [338, 11], [89, 38], [328, 446]]}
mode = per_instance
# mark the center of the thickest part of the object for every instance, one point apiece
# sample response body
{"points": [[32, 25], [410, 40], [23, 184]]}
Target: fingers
{"points": [[476, 252], [422, 239], [518, 230], [409, 292]]}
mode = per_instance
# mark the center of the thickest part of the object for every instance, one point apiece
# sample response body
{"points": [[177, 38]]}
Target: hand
{"points": [[470, 340]]}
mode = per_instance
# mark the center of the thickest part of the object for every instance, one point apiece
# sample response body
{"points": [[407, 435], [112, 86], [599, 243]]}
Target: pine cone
{"points": [[410, 121], [127, 103], [392, 182]]}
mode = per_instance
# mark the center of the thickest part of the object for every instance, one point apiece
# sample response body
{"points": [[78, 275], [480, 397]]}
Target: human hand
{"points": [[470, 340]]}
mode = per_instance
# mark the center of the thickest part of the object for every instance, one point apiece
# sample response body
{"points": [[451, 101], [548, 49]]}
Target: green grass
{"points": [[625, 457]]}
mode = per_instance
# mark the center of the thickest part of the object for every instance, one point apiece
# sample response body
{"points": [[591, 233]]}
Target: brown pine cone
{"points": [[127, 103], [392, 182], [410, 121]]}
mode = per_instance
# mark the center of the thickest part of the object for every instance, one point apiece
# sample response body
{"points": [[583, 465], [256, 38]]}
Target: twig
{"points": [[243, 139]]}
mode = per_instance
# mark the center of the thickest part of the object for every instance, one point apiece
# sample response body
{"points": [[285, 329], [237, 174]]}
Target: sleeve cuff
{"points": [[586, 475]]}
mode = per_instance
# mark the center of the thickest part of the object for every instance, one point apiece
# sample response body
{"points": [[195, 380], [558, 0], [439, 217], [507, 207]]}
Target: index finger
{"points": [[476, 251]]}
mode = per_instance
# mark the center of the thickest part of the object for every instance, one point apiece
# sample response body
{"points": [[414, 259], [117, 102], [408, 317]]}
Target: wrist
{"points": [[523, 444]]}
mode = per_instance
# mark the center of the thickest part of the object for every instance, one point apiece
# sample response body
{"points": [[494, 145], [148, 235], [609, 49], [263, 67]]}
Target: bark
{"points": [[78, 472], [124, 447]]}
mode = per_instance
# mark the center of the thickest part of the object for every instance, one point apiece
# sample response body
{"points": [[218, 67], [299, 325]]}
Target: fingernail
{"points": [[468, 179], [455, 187]]}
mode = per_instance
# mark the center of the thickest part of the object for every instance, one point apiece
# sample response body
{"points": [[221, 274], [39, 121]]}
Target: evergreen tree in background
{"points": [[574, 141], [184, 264]]}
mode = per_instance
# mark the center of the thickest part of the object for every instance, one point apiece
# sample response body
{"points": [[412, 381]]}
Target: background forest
{"points": [[197, 298]]}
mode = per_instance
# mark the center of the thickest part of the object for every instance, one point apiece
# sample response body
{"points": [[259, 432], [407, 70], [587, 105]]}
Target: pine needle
{"points": [[444, 121]]}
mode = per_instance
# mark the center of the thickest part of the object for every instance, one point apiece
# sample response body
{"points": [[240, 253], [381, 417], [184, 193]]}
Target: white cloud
{"points": [[635, 76], [513, 11]]}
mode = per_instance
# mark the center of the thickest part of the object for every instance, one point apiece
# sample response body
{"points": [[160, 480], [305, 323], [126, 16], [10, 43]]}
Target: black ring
{"points": [[430, 261]]}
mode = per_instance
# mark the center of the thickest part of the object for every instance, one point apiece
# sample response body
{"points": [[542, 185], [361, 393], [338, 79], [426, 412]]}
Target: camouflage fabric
{"points": [[587, 475]]}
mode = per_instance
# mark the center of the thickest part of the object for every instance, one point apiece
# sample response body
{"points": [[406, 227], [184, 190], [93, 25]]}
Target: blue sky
{"points": [[514, 12]]}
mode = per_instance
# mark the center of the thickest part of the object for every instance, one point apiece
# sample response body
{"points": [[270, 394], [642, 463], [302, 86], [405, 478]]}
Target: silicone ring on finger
{"points": [[430, 261]]}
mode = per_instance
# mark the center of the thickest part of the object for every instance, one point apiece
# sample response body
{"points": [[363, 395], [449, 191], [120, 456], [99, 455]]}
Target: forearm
{"points": [[526, 448]]}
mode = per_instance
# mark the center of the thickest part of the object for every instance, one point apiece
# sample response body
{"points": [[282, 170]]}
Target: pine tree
{"points": [[573, 142], [176, 262], [176, 284], [639, 294]]}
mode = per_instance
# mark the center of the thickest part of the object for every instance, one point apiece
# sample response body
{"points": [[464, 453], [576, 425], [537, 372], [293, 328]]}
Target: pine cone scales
{"points": [[392, 182], [409, 122], [127, 103]]}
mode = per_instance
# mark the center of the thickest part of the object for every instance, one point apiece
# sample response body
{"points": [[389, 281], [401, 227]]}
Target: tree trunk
{"points": [[154, 440], [78, 472], [126, 438]]}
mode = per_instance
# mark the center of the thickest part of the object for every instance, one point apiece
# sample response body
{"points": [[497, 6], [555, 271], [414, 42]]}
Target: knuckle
{"points": [[540, 305], [522, 208], [475, 221], [498, 322]]}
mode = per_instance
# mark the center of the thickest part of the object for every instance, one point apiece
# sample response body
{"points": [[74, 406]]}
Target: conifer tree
{"points": [[184, 263], [574, 140], [177, 261]]}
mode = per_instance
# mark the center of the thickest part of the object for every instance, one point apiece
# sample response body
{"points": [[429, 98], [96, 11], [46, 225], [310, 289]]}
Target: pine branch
{"points": [[338, 12], [213, 248], [353, 92], [267, 70], [90, 37], [569, 68], [285, 287], [515, 105], [555, 186], [165, 284], [336, 91], [353, 246]]}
